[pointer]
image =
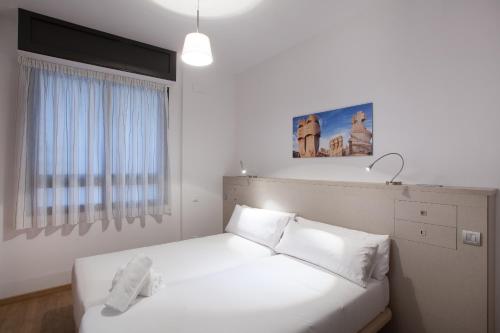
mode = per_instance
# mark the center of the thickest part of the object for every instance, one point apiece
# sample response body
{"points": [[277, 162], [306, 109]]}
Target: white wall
{"points": [[432, 70], [208, 147], [43, 258]]}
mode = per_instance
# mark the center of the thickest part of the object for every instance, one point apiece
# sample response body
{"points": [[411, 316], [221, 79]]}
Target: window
{"points": [[94, 146]]}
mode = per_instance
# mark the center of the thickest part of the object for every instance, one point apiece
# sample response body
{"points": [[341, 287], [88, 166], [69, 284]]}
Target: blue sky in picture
{"points": [[336, 122]]}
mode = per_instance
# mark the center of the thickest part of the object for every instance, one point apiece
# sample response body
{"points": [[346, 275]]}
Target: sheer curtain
{"points": [[91, 146]]}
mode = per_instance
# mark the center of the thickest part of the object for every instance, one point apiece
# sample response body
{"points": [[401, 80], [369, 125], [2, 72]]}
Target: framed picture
{"points": [[341, 132]]}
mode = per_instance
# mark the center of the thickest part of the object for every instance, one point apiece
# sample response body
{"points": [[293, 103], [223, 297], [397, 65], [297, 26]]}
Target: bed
{"points": [[274, 294], [178, 261], [272, 272]]}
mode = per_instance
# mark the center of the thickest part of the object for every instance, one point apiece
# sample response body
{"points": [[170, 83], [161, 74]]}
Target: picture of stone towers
{"points": [[345, 132]]}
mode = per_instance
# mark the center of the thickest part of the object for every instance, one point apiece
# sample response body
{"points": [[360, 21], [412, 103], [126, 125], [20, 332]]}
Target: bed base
{"points": [[378, 322]]}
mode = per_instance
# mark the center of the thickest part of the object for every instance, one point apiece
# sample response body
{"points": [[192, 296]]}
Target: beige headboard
{"points": [[438, 283]]}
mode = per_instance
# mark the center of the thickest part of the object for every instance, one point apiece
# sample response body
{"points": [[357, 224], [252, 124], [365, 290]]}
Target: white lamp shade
{"points": [[197, 50]]}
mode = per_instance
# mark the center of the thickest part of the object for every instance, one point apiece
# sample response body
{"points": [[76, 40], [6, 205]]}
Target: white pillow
{"points": [[381, 264], [130, 283], [381, 267], [259, 225], [320, 244]]}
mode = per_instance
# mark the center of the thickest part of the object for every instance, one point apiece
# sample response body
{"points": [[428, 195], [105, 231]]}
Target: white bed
{"points": [[176, 261], [277, 294]]}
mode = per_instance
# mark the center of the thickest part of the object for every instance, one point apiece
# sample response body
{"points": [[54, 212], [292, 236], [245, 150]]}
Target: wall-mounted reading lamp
{"points": [[390, 182], [244, 171]]}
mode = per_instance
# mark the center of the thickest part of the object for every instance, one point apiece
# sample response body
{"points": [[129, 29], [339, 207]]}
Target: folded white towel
{"points": [[153, 283], [130, 283]]}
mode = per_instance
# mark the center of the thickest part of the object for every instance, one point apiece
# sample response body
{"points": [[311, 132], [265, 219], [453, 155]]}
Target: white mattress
{"points": [[278, 294], [176, 261]]}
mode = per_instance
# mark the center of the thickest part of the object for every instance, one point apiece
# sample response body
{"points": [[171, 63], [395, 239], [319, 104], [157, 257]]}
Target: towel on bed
{"points": [[128, 286], [153, 283]]}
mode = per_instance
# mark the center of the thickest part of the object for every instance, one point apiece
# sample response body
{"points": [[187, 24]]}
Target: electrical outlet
{"points": [[471, 237]]}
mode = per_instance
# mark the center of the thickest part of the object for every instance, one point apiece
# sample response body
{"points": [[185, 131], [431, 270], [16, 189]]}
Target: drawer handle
{"points": [[423, 213]]}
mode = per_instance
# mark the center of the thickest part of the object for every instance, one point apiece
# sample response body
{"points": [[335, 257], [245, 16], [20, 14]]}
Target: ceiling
{"points": [[243, 32]]}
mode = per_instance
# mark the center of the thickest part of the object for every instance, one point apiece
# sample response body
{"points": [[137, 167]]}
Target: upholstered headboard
{"points": [[438, 283]]}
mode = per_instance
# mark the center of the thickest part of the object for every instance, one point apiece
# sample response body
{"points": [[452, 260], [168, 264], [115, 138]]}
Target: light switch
{"points": [[471, 237]]}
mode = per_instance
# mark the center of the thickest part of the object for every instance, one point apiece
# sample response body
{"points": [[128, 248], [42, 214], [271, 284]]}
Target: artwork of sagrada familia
{"points": [[358, 144]]}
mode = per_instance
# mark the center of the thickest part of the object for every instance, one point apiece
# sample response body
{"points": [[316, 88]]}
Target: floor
{"points": [[49, 313]]}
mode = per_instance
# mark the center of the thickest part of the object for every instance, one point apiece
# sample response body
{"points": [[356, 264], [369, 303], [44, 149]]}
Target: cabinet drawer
{"points": [[427, 233], [445, 215]]}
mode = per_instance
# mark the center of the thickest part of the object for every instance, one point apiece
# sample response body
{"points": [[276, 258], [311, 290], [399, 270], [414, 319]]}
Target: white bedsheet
{"points": [[177, 261], [278, 294]]}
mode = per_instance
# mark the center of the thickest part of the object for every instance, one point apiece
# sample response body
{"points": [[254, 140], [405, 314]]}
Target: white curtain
{"points": [[91, 146]]}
